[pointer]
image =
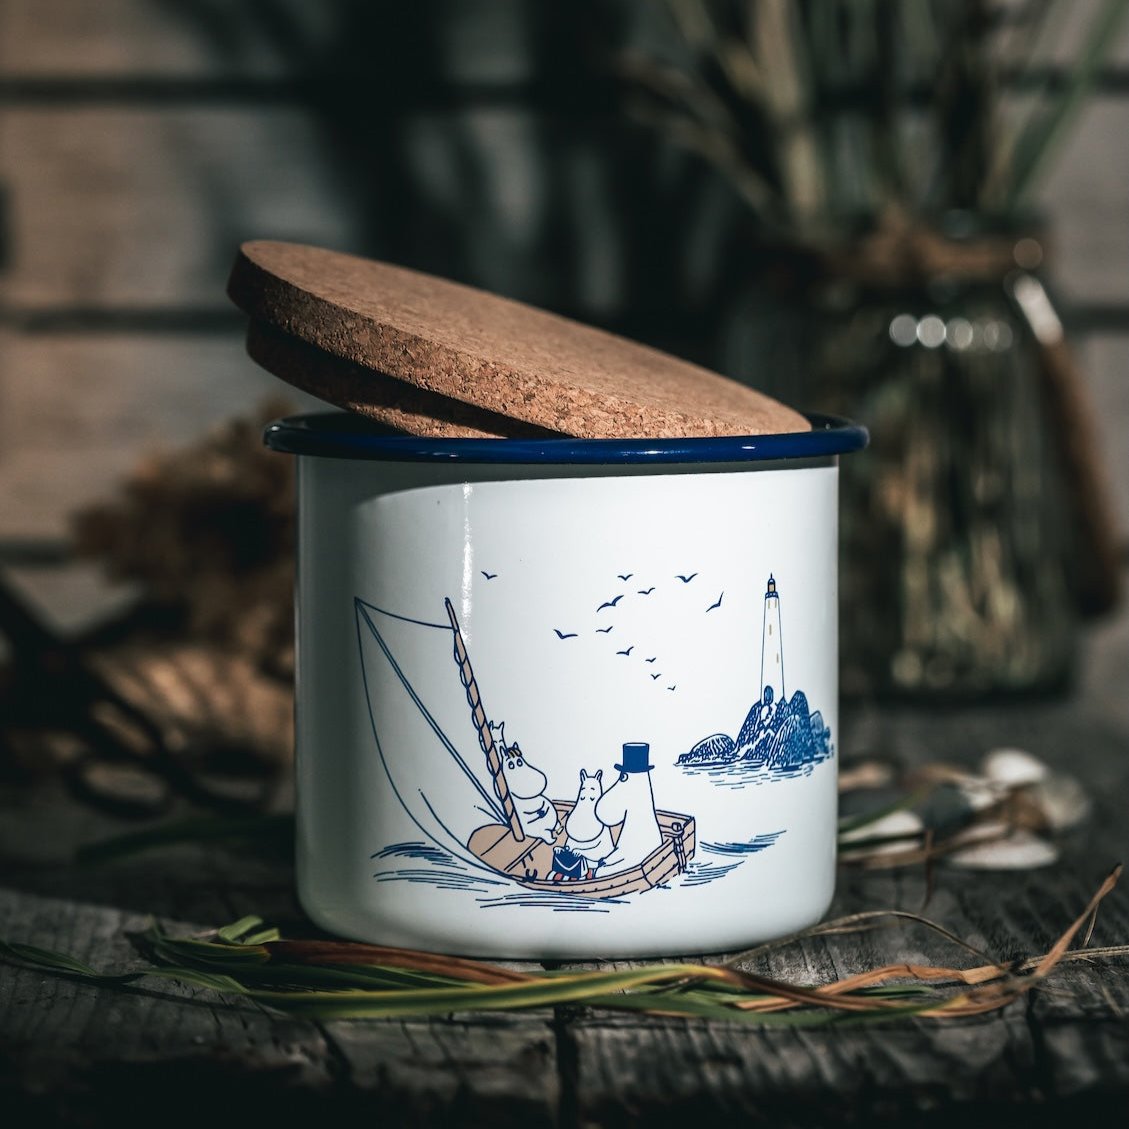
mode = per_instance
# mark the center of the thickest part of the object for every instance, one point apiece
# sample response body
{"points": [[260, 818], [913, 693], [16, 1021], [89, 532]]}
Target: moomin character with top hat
{"points": [[631, 801]]}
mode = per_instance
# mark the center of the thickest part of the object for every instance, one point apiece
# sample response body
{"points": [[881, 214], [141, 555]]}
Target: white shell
{"points": [[1019, 851], [1013, 768], [1063, 801], [984, 830], [979, 792], [896, 823]]}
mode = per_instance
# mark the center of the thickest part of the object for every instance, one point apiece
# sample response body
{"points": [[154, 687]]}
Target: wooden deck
{"points": [[76, 1055]]}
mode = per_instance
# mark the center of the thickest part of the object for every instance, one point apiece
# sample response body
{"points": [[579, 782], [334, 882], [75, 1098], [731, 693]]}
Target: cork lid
{"points": [[390, 402], [404, 333]]}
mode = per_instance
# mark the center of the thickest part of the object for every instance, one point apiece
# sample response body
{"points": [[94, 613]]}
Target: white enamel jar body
{"points": [[598, 607]]}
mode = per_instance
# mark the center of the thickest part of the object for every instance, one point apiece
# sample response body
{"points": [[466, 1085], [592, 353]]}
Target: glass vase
{"points": [[955, 548]]}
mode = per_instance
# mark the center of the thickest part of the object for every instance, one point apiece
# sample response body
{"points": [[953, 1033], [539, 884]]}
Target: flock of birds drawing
{"points": [[610, 604]]}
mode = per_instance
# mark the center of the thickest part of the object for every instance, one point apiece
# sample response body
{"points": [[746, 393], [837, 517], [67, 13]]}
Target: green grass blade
{"points": [[48, 960], [263, 937], [344, 977], [419, 1002], [237, 929], [864, 819], [204, 953]]}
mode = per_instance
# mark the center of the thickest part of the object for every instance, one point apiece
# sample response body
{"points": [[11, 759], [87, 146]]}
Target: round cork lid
{"points": [[393, 403], [488, 352]]}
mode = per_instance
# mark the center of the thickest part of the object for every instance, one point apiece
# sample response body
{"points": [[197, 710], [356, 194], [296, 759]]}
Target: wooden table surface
{"points": [[72, 1054]]}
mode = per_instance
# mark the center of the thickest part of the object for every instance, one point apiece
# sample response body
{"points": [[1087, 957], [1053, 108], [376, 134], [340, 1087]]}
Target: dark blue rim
{"points": [[343, 435]]}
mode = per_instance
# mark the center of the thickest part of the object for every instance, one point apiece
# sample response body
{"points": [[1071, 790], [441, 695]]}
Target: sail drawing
{"points": [[474, 795]]}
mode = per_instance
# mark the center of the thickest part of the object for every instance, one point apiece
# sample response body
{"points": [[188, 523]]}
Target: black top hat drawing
{"points": [[636, 757]]}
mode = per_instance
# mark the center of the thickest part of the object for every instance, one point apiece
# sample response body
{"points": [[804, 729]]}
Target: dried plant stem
{"points": [[717, 148], [339, 980], [860, 923], [785, 91]]}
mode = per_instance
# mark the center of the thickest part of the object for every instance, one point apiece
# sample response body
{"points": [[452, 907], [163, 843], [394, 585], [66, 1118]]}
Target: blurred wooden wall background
{"points": [[141, 140]]}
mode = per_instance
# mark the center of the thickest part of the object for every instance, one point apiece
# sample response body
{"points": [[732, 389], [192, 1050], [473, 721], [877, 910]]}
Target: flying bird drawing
{"points": [[604, 630], [674, 687], [489, 575], [656, 677], [651, 660], [717, 604], [625, 575], [563, 635], [685, 579], [646, 591], [610, 603], [628, 651]]}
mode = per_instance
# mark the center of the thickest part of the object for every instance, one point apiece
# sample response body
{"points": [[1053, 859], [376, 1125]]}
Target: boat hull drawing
{"points": [[530, 861]]}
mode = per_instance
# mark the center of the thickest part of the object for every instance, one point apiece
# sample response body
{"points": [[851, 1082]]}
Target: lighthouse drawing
{"points": [[781, 735], [772, 645]]}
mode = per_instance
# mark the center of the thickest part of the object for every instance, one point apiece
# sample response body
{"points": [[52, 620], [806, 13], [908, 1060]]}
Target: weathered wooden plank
{"points": [[42, 827], [1064, 1047], [79, 410], [485, 1070], [75, 1054], [1087, 1055], [618, 1070], [1069, 1038], [114, 206], [729, 1075], [482, 41], [1083, 194], [109, 390], [118, 207], [1067, 1041], [68, 1043], [467, 1071], [1061, 1051], [75, 38]]}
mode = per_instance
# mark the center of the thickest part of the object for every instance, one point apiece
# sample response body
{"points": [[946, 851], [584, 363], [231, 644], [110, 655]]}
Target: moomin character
{"points": [[631, 801], [589, 841], [527, 786]]}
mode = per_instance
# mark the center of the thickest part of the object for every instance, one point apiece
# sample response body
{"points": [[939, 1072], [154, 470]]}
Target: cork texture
{"points": [[488, 352], [391, 402]]}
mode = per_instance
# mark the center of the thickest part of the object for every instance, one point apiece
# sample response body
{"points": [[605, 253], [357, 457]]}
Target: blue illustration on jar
{"points": [[604, 844], [780, 736], [504, 827]]}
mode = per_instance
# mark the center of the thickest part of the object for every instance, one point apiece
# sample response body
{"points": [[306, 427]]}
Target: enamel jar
{"points": [[565, 698]]}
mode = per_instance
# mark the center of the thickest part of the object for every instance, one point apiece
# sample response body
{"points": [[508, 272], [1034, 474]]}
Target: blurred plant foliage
{"points": [[888, 152], [822, 113]]}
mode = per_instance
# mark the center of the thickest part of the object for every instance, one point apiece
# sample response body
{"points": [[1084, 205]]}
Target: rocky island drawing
{"points": [[780, 735]]}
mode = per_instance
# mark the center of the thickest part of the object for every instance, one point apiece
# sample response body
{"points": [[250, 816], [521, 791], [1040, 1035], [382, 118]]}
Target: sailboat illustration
{"points": [[448, 770]]}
